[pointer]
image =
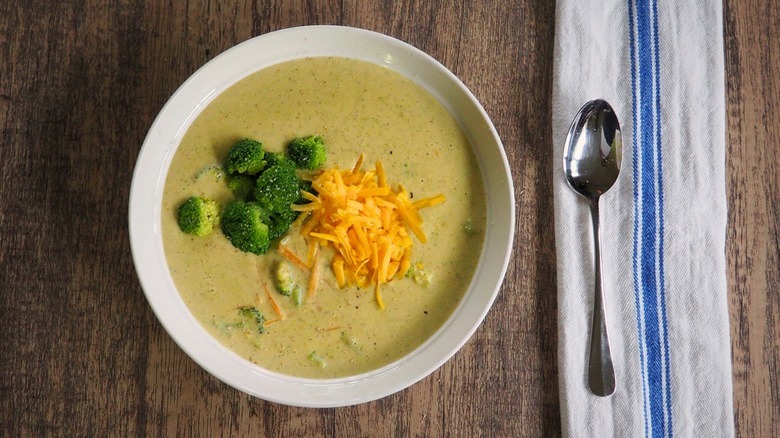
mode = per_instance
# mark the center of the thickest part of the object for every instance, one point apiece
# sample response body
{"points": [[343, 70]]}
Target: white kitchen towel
{"points": [[659, 63]]}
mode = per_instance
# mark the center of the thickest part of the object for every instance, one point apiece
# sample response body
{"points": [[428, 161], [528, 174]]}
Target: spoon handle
{"points": [[601, 374]]}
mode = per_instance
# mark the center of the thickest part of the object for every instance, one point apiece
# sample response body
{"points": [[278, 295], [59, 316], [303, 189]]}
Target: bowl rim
{"points": [[223, 71]]}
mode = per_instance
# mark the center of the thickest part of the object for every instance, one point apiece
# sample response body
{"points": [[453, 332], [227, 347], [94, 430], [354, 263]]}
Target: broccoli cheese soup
{"points": [[356, 108]]}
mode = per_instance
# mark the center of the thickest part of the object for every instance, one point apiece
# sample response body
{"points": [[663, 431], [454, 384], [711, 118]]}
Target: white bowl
{"points": [[226, 69]]}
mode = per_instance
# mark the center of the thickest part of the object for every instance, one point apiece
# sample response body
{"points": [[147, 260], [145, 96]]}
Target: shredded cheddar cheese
{"points": [[367, 222]]}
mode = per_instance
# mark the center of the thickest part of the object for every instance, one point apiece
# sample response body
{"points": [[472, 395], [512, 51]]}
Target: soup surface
{"points": [[357, 107]]}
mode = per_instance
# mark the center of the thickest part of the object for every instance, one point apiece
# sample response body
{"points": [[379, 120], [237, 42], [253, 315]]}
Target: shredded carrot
{"points": [[367, 221], [267, 323], [292, 257], [275, 306]]}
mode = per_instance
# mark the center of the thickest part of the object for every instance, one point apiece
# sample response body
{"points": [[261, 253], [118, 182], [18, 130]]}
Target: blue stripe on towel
{"points": [[648, 257]]}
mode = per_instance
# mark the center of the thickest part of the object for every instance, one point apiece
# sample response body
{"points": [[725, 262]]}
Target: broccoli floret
{"points": [[317, 359], [277, 187], [419, 276], [246, 157], [241, 186], [252, 314], [304, 186], [284, 279], [211, 169], [251, 318], [307, 152], [273, 158], [198, 215], [280, 223], [242, 223], [297, 296]]}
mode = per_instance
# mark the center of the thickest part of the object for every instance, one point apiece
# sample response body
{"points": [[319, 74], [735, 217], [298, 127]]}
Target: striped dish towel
{"points": [[663, 225]]}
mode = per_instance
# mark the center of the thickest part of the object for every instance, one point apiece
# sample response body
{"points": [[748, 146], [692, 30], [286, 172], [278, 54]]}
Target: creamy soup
{"points": [[356, 107]]}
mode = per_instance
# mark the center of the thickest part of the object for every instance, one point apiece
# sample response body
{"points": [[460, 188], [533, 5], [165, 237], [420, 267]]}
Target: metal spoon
{"points": [[591, 164]]}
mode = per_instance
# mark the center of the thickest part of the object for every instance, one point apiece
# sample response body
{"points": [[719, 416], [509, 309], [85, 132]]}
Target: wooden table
{"points": [[82, 353]]}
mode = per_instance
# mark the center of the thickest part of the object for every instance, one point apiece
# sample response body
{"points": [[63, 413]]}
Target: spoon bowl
{"points": [[591, 164], [593, 152]]}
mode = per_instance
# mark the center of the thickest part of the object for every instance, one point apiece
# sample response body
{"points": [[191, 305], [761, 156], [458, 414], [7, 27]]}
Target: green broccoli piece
{"points": [[297, 296], [277, 187], [251, 318], [347, 339], [273, 158], [246, 157], [242, 186], [304, 186], [280, 223], [251, 313], [198, 215], [307, 152], [419, 276], [211, 169], [242, 223], [284, 279], [317, 359]]}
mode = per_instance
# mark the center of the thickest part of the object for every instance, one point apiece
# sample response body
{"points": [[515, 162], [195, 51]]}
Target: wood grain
{"points": [[752, 46], [82, 353]]}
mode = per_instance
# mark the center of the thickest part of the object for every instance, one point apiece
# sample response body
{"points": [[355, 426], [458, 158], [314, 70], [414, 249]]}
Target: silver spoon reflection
{"points": [[591, 164]]}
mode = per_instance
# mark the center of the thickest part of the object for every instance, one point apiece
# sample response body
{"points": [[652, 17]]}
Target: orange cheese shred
{"points": [[338, 270], [315, 272], [428, 202], [367, 221], [378, 297]]}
